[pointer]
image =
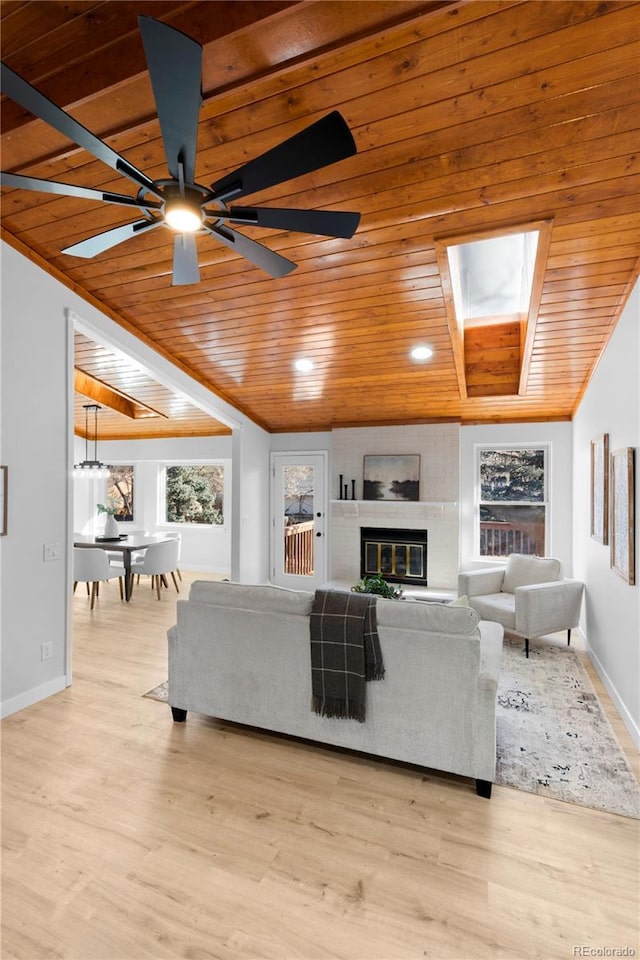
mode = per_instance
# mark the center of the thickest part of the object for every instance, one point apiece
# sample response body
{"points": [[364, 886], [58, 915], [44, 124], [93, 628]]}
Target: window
{"points": [[120, 490], [493, 278], [512, 507], [298, 493], [194, 493]]}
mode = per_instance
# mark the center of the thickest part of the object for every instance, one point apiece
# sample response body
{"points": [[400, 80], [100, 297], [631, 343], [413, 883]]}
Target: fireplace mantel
{"points": [[397, 503], [430, 509]]}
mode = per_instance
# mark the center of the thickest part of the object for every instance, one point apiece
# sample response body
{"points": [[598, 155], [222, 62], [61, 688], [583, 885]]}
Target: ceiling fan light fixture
{"points": [[179, 201], [182, 216]]}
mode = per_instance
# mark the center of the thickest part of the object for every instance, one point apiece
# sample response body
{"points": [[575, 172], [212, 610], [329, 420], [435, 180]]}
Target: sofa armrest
{"points": [[542, 608], [476, 583], [491, 636]]}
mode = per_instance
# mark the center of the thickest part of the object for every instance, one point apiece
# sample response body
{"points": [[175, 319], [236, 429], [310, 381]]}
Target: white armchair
{"points": [[528, 597]]}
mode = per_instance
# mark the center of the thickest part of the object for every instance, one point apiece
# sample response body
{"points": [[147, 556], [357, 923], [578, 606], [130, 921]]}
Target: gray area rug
{"points": [[161, 692], [553, 737]]}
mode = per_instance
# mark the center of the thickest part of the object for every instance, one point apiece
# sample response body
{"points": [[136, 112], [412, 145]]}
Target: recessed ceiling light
{"points": [[303, 365], [421, 353]]}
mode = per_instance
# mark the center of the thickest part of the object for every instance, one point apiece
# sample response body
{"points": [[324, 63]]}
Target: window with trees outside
{"points": [[194, 494], [513, 504], [120, 490]]}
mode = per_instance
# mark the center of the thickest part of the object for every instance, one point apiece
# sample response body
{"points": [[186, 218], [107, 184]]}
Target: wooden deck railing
{"points": [[298, 549], [500, 539]]}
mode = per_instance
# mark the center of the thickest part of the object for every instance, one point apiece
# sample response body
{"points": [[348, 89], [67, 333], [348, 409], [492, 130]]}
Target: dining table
{"points": [[126, 544]]}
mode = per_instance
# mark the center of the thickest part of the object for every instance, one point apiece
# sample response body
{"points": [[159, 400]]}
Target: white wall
{"points": [[611, 620], [36, 445], [559, 436], [251, 522], [206, 549]]}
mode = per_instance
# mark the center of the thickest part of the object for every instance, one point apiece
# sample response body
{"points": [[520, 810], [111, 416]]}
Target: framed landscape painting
{"points": [[600, 488], [622, 534], [392, 477]]}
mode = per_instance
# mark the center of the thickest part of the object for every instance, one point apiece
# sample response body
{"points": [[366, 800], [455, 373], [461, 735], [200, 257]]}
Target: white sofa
{"points": [[528, 596], [242, 653]]}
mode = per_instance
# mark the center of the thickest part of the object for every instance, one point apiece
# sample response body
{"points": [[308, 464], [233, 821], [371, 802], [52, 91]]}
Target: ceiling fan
{"points": [[179, 203]]}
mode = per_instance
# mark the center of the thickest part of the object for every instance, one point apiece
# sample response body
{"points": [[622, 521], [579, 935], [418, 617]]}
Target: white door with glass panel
{"points": [[298, 550]]}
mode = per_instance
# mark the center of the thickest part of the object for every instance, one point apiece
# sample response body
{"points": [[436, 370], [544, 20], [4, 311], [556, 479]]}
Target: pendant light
{"points": [[91, 468]]}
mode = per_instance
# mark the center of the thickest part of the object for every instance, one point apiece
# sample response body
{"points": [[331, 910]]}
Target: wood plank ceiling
{"points": [[468, 117]]}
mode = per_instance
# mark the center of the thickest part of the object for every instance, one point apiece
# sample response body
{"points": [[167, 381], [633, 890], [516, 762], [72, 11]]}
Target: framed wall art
{"points": [[600, 488], [622, 526], [392, 477]]}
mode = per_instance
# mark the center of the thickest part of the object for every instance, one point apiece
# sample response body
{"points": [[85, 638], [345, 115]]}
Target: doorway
{"points": [[298, 520]]}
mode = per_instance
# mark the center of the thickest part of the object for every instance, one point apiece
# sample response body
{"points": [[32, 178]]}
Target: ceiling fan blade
{"points": [[175, 67], [327, 223], [71, 190], [110, 238], [272, 263], [324, 142], [185, 260], [31, 99]]}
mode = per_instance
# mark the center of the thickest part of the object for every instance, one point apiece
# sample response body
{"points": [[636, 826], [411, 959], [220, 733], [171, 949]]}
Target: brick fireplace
{"points": [[440, 520], [437, 511]]}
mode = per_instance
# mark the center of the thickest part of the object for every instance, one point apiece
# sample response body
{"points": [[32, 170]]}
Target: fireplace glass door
{"points": [[399, 555]]}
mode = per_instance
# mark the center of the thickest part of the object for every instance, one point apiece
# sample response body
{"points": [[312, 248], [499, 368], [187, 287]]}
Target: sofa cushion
{"points": [[267, 598], [426, 616], [497, 607], [522, 570]]}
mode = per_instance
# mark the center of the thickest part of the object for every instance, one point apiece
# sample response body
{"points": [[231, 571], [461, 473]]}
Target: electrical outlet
{"points": [[52, 551], [46, 650]]}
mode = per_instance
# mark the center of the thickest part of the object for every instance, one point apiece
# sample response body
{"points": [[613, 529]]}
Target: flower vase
{"points": [[111, 527]]}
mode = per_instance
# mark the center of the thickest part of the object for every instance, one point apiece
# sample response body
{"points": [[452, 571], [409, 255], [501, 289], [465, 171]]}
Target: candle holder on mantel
{"points": [[343, 489]]}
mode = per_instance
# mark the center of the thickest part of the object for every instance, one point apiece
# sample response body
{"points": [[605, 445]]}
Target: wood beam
{"points": [[88, 386], [528, 333]]}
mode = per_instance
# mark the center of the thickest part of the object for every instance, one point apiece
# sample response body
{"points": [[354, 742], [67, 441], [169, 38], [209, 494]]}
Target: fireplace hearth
{"points": [[400, 556]]}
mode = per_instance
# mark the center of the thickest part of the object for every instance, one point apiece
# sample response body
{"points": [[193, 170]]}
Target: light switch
{"points": [[52, 551]]}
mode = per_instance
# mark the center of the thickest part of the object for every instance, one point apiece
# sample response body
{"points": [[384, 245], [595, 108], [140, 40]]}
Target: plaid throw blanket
{"points": [[345, 652]]}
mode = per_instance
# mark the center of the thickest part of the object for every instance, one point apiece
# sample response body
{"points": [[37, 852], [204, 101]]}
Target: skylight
{"points": [[492, 278]]}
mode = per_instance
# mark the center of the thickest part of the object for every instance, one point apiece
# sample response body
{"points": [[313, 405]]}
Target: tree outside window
{"points": [[298, 493], [120, 490], [195, 494], [513, 501]]}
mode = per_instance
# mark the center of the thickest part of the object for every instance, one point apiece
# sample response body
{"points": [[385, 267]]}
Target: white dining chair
{"points": [[91, 566], [159, 560], [178, 537]]}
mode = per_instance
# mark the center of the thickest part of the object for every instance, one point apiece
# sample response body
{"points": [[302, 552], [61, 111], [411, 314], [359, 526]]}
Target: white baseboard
{"points": [[618, 703], [32, 696]]}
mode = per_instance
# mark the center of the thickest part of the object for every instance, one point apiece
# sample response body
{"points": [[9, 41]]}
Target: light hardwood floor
{"points": [[126, 836]]}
